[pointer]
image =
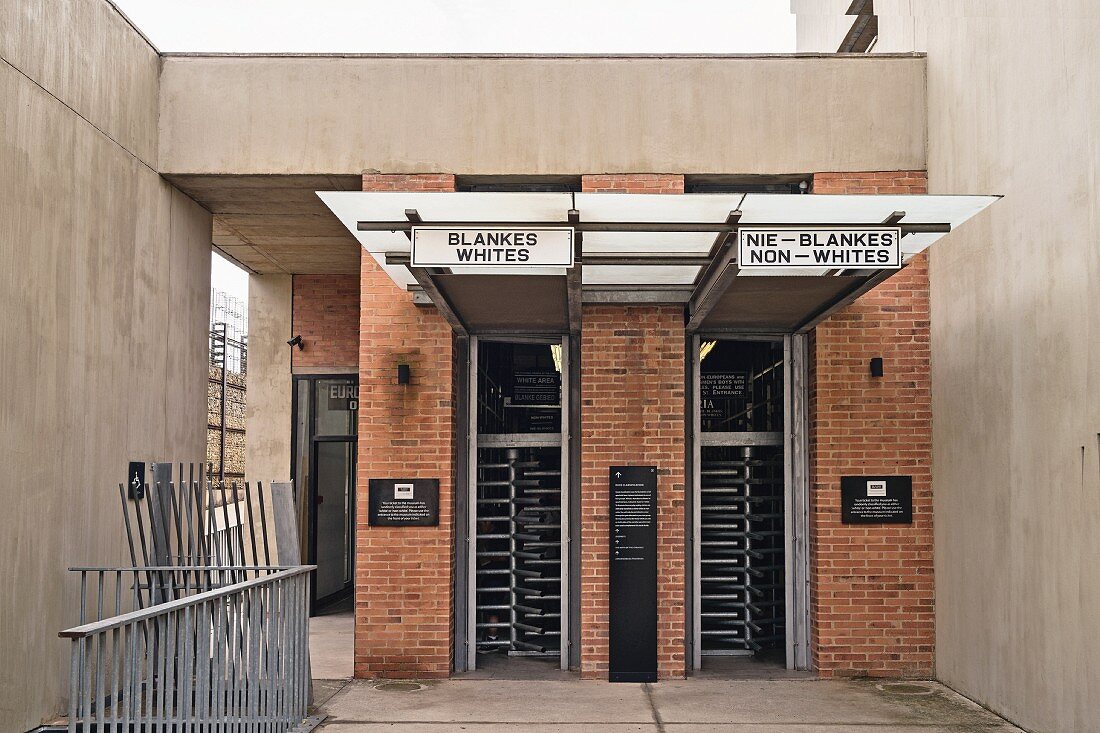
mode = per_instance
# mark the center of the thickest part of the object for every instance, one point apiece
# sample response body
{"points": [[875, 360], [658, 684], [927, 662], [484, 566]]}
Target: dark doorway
{"points": [[326, 410]]}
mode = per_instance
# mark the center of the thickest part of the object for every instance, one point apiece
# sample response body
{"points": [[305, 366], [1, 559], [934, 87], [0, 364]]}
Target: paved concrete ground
{"points": [[734, 696], [331, 639], [704, 705]]}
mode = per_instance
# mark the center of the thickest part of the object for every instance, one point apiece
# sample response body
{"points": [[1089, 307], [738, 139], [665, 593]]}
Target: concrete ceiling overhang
{"points": [[275, 223], [641, 248]]}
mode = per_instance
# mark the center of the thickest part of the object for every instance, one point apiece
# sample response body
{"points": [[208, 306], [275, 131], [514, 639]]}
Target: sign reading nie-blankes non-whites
{"points": [[492, 247], [766, 248]]}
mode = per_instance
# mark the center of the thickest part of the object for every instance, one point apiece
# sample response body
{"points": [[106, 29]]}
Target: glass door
{"points": [[325, 466], [333, 518]]}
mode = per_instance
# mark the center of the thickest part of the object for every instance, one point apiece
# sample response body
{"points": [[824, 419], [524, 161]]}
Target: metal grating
{"points": [[518, 551], [741, 565]]}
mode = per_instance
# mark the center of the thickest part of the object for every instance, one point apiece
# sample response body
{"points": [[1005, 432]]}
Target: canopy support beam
{"points": [[689, 227], [716, 276], [573, 278], [423, 277]]}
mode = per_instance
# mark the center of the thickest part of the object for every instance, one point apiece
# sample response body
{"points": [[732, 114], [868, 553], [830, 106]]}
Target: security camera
{"points": [[296, 341]]}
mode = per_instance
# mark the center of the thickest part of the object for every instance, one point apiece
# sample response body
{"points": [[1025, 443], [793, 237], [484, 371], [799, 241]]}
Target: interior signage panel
{"points": [[723, 385], [632, 611], [536, 388], [771, 248], [403, 502], [876, 499], [493, 247]]}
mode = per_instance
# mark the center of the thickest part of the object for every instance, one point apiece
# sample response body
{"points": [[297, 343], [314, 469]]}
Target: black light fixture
{"points": [[876, 367], [296, 341], [404, 374]]}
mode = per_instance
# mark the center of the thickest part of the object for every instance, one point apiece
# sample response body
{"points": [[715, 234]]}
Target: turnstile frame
{"points": [[796, 491], [560, 440]]}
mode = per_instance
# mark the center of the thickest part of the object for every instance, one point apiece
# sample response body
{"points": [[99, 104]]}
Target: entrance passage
{"points": [[325, 426], [740, 565], [520, 518]]}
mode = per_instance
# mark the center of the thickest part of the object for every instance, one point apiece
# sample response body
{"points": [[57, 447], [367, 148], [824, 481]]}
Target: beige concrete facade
{"points": [[104, 293], [542, 115], [106, 287], [1013, 108]]}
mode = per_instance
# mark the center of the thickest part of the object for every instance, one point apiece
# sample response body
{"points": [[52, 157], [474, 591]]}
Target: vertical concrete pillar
{"points": [[269, 399]]}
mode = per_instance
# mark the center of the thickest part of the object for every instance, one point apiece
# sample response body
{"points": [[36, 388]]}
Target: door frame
{"points": [[465, 657], [349, 519], [305, 496], [796, 493]]}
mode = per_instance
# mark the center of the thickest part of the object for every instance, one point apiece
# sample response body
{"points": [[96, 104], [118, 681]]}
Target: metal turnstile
{"points": [[741, 566], [518, 551]]}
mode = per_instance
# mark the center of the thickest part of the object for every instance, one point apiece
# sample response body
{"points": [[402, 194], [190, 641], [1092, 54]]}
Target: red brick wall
{"points": [[633, 183], [871, 587], [326, 313], [632, 406], [632, 402], [403, 584], [871, 182], [444, 182]]}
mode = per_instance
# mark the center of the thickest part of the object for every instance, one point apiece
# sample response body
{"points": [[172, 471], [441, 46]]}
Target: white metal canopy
{"points": [[653, 248]]}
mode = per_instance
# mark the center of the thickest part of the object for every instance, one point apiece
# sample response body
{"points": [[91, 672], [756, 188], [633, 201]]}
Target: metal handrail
{"points": [[78, 632], [231, 658]]}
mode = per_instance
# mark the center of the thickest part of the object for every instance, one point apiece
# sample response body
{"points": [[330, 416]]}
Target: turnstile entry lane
{"points": [[519, 504], [740, 499]]}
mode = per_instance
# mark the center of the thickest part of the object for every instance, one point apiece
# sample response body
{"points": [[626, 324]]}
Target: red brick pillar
{"points": [[403, 583], [632, 403], [871, 587]]}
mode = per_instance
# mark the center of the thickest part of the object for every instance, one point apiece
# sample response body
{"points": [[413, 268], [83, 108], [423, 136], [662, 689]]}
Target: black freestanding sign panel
{"points": [[632, 608], [403, 502]]}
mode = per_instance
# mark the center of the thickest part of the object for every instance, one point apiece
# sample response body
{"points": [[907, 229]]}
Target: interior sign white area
{"points": [[493, 247], [765, 248]]}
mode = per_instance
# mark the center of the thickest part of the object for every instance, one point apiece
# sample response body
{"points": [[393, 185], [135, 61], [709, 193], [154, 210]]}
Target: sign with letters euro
{"points": [[493, 248], [774, 248]]}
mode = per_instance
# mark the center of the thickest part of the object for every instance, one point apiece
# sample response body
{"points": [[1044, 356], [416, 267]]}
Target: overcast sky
{"points": [[458, 26], [466, 26]]}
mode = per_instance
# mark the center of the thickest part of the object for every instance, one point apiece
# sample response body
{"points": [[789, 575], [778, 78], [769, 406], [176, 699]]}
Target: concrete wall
{"points": [[104, 293], [268, 412], [494, 115], [1013, 107]]}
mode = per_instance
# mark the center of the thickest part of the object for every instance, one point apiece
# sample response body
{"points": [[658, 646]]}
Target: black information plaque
{"points": [[395, 502], [632, 579], [876, 499]]}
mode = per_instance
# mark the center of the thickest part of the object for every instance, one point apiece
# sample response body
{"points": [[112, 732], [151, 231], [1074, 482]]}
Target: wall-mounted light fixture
{"points": [[876, 367], [404, 374], [296, 341]]}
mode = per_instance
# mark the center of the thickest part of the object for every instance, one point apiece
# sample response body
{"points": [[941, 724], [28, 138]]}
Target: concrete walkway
{"points": [[704, 705]]}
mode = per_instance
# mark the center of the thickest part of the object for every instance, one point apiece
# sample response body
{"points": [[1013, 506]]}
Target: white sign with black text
{"points": [[492, 247], [769, 248]]}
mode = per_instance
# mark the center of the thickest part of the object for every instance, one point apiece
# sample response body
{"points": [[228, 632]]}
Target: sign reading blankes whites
{"points": [[493, 247], [403, 502], [876, 499], [775, 248]]}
